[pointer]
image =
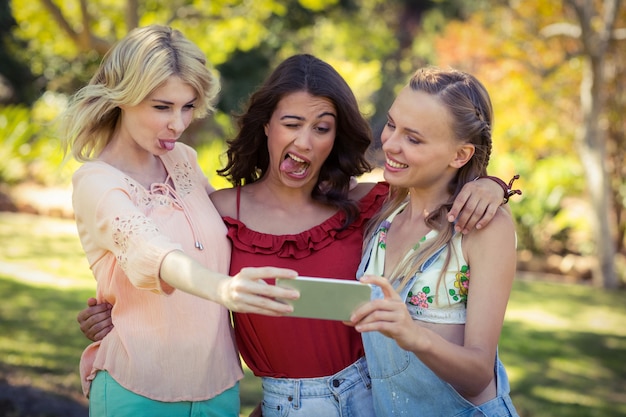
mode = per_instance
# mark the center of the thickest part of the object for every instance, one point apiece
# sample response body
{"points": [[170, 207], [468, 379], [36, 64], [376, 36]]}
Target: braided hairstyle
{"points": [[469, 106], [468, 102]]}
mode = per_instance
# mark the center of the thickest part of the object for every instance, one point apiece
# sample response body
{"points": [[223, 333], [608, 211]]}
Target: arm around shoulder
{"points": [[361, 189]]}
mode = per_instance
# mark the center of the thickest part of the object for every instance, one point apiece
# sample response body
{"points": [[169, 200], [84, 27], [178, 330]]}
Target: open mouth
{"points": [[167, 144], [294, 165], [394, 164]]}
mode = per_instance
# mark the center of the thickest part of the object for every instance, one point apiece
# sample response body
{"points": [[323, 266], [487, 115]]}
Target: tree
{"points": [[547, 55], [17, 83], [594, 28]]}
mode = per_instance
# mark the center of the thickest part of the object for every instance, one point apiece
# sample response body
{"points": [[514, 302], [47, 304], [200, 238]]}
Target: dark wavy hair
{"points": [[248, 155]]}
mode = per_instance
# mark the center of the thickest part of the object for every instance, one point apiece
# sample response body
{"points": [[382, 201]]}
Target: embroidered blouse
{"points": [[166, 344]]}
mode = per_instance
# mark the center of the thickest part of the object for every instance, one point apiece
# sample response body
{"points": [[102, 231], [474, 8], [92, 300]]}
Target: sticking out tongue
{"points": [[291, 166], [166, 144]]}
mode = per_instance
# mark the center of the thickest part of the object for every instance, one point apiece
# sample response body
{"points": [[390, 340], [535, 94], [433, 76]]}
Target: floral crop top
{"points": [[428, 298]]}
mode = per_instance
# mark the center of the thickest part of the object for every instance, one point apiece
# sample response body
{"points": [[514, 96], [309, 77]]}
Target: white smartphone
{"points": [[326, 298]]}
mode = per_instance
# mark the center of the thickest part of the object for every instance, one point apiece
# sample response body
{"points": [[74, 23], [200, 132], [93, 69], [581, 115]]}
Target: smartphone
{"points": [[326, 298]]}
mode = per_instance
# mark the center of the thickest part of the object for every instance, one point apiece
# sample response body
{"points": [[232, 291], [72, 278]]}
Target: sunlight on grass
{"points": [[565, 396], [568, 307], [538, 317], [43, 250], [565, 367], [563, 346], [603, 319]]}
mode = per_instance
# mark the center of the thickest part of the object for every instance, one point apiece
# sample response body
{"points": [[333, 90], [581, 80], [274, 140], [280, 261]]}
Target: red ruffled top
{"points": [[286, 347]]}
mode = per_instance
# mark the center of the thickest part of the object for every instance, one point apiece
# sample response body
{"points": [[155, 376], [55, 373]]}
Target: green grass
{"points": [[565, 350], [564, 346]]}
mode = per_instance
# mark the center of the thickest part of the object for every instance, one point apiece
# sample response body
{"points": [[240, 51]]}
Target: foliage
{"points": [[29, 148], [17, 131], [211, 158], [17, 84], [534, 81], [535, 87]]}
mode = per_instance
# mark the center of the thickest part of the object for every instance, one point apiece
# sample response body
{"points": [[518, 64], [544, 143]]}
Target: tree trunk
{"points": [[132, 14], [592, 150]]}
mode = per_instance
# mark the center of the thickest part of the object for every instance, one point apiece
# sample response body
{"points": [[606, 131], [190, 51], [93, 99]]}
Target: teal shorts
{"points": [[107, 398]]}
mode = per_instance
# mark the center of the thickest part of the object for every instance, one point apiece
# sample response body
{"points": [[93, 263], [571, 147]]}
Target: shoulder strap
{"points": [[238, 200]]}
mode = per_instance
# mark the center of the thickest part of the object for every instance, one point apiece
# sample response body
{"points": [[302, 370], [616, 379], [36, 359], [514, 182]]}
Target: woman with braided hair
{"points": [[431, 331]]}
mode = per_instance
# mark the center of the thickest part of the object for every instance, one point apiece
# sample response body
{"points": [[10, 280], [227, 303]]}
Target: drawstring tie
{"points": [[167, 190]]}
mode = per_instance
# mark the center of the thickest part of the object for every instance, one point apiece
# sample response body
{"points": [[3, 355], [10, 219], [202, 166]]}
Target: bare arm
{"points": [[245, 292]]}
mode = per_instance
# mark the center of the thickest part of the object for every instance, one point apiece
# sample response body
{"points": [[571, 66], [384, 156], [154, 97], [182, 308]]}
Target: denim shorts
{"points": [[348, 393], [109, 399]]}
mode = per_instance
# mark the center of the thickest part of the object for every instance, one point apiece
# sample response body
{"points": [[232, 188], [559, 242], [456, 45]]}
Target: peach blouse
{"points": [[166, 344]]}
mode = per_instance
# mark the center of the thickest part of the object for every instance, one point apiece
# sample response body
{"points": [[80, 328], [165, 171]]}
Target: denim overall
{"points": [[403, 386]]}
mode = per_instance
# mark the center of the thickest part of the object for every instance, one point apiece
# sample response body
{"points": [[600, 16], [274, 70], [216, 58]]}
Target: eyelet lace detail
{"points": [[182, 177], [128, 227]]}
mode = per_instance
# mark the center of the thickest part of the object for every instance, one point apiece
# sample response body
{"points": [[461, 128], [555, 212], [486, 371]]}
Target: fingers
{"points": [[364, 311], [379, 315], [95, 321], [252, 280], [486, 217], [475, 205], [467, 210], [247, 292], [475, 215], [374, 309], [383, 315], [101, 333], [87, 314], [259, 298], [267, 272], [388, 291], [458, 205], [469, 217]]}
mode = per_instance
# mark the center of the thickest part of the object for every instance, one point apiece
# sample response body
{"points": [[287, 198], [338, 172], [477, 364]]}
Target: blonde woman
{"points": [[155, 243]]}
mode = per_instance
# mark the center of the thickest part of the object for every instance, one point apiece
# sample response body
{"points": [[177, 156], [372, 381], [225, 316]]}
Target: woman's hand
{"points": [[475, 205], [388, 316], [95, 320], [247, 292]]}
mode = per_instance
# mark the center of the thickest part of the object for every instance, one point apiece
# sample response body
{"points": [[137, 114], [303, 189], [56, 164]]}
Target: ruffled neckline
{"points": [[301, 245]]}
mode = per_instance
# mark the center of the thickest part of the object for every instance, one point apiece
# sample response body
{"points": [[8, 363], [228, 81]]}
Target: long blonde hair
{"points": [[469, 106], [128, 73]]}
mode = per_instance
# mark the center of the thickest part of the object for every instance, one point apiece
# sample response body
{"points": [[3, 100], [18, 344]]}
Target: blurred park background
{"points": [[556, 71]]}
